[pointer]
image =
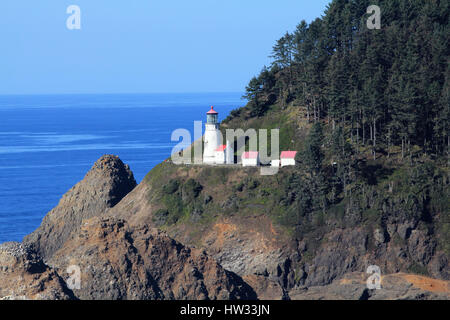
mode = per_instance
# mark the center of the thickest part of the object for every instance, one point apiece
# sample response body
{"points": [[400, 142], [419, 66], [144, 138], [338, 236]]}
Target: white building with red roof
{"points": [[250, 159], [224, 154], [288, 158]]}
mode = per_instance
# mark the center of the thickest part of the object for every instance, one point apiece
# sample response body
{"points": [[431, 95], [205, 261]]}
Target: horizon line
{"points": [[118, 93]]}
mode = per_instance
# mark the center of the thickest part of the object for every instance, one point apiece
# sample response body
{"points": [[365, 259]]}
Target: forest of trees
{"points": [[379, 88]]}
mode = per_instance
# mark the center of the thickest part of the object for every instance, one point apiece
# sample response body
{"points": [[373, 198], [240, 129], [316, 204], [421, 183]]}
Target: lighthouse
{"points": [[212, 138]]}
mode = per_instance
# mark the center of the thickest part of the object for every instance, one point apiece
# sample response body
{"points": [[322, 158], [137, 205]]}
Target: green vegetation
{"points": [[384, 88], [191, 190], [171, 187], [368, 111]]}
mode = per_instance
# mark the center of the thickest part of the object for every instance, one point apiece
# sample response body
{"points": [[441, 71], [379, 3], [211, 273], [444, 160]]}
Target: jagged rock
{"points": [[246, 252], [118, 261], [398, 286], [439, 266], [23, 276], [404, 229], [421, 247], [265, 288], [344, 252], [108, 181], [379, 237]]}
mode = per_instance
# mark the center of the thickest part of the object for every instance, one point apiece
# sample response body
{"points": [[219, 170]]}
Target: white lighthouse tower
{"points": [[213, 137]]}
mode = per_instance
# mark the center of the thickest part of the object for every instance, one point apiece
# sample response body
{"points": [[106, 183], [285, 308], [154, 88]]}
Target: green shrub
{"points": [[171, 187], [191, 190], [239, 187], [252, 184]]}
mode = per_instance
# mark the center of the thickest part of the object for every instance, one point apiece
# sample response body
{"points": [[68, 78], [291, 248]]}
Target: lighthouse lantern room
{"points": [[212, 116]]}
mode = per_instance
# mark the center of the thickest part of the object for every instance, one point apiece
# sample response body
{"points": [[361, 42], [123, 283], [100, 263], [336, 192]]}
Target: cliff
{"points": [[23, 275], [397, 286], [116, 260], [212, 233], [238, 217], [123, 262]]}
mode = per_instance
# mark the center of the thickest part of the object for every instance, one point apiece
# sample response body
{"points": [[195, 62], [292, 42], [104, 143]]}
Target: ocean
{"points": [[49, 142]]}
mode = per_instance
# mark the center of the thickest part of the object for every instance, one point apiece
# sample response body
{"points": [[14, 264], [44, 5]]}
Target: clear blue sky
{"points": [[142, 45]]}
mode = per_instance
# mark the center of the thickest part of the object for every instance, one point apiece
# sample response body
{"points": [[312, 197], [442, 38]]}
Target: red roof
{"points": [[222, 147], [250, 155], [212, 111], [288, 154]]}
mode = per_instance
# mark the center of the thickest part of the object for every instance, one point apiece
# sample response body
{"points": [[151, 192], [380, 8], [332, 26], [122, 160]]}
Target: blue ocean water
{"points": [[49, 142]]}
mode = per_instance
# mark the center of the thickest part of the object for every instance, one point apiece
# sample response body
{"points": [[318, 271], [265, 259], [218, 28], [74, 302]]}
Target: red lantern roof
{"points": [[212, 111]]}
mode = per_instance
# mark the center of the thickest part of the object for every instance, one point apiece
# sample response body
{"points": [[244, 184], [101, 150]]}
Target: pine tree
{"points": [[312, 156]]}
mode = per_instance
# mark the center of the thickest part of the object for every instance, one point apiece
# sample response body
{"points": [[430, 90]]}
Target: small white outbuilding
{"points": [[250, 159], [224, 154], [275, 163], [288, 158]]}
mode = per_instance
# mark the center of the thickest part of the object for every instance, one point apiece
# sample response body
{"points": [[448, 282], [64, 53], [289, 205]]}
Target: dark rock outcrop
{"points": [[122, 262], [353, 249], [23, 275], [108, 181], [397, 286]]}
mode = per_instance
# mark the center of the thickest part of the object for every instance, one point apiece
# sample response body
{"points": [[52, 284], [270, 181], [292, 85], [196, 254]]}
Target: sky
{"points": [[142, 46]]}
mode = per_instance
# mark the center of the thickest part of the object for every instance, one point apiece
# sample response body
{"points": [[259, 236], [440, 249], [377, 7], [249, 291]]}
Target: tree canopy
{"points": [[387, 86]]}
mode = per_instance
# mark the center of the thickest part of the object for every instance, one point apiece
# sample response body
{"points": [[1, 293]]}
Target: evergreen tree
{"points": [[312, 155]]}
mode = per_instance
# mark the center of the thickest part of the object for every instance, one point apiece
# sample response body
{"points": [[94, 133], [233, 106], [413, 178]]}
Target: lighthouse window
{"points": [[212, 118]]}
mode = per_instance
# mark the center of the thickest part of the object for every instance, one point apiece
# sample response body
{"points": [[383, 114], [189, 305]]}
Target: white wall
{"points": [[212, 140], [220, 157], [250, 162], [287, 162], [275, 163]]}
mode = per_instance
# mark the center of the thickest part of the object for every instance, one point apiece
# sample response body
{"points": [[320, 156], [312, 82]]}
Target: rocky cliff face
{"points": [[23, 275], [116, 260], [122, 262], [398, 286], [243, 237], [108, 181], [106, 228], [353, 249]]}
